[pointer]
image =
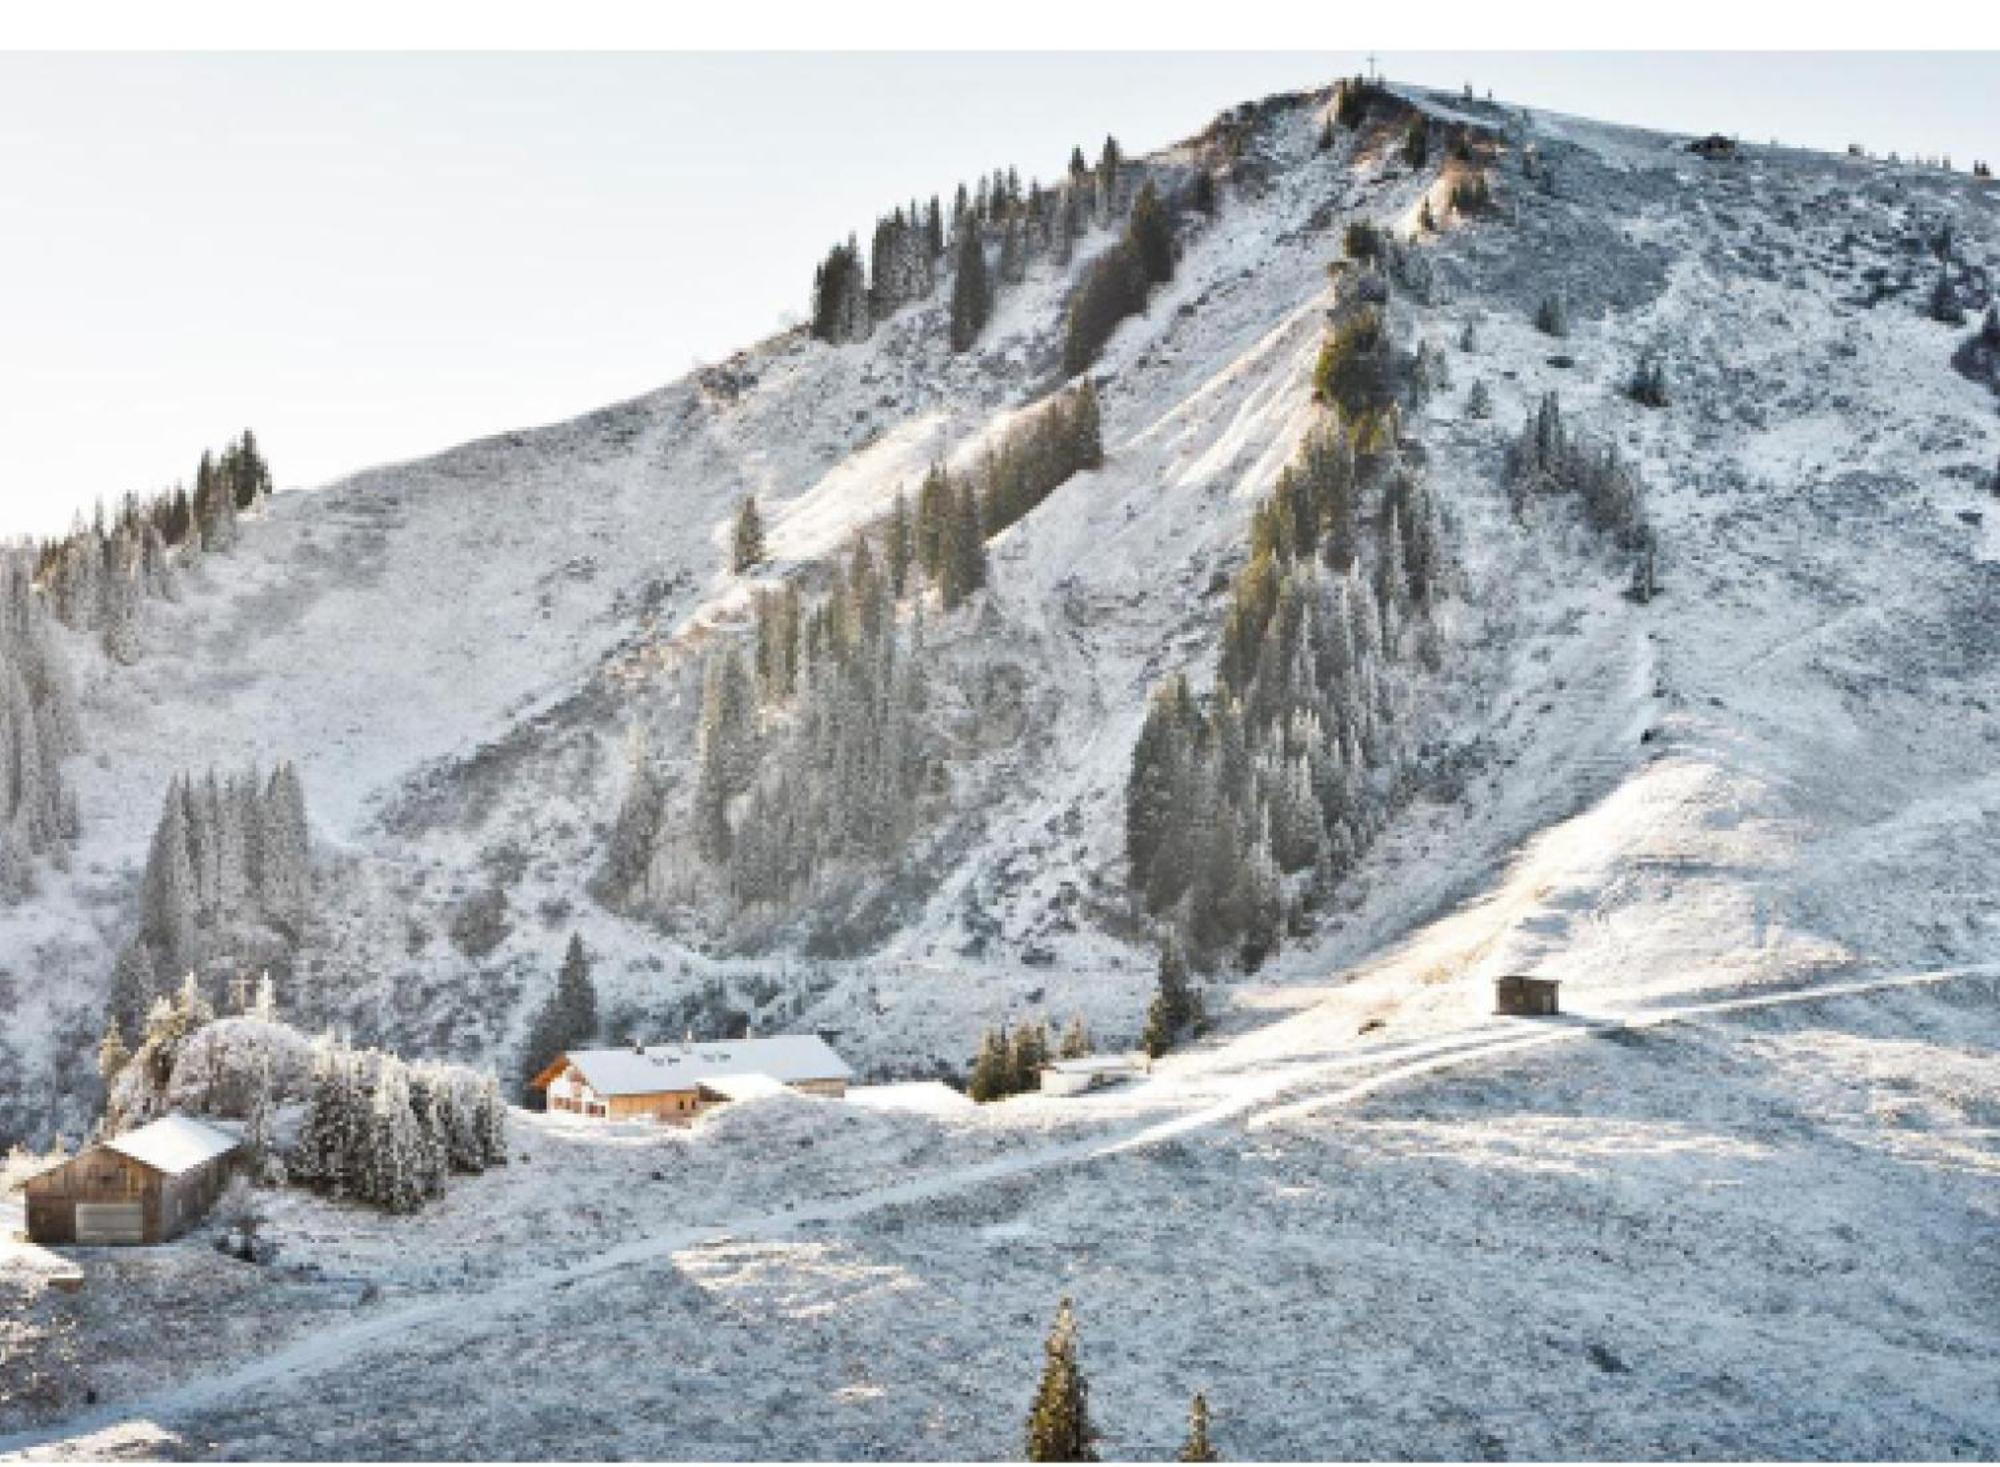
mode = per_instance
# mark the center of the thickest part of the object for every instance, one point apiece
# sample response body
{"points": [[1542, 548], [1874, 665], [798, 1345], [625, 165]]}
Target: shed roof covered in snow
{"points": [[174, 1144], [932, 1096], [1095, 1064], [745, 1087], [790, 1059]]}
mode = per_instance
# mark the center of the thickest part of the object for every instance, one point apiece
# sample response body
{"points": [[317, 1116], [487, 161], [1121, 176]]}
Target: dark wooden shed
{"points": [[146, 1186], [1525, 994]]}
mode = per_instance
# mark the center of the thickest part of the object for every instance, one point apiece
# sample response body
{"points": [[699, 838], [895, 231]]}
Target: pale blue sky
{"points": [[372, 257]]}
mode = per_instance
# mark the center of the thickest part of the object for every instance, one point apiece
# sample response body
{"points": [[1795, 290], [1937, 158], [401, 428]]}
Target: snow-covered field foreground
{"points": [[1757, 1227]]}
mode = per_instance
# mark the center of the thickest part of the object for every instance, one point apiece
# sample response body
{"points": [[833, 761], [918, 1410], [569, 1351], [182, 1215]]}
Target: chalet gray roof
{"points": [[791, 1059], [174, 1144]]}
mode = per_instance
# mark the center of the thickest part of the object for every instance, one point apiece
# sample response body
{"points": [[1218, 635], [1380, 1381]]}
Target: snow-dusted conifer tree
{"points": [[430, 1100], [168, 894], [283, 848], [1059, 1425], [392, 1170], [971, 291], [491, 1114]]}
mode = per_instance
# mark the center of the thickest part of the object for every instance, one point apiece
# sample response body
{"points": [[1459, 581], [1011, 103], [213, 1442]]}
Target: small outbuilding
{"points": [[1715, 147], [1090, 1072], [146, 1186], [1525, 995]]}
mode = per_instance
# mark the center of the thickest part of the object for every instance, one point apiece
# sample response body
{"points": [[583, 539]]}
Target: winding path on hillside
{"points": [[1269, 1093]]}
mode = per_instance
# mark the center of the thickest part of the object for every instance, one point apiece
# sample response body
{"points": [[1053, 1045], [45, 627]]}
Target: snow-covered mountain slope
{"points": [[1778, 769], [1738, 1201]]}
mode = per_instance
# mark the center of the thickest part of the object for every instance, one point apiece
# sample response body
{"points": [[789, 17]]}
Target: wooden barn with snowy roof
{"points": [[672, 1082], [145, 1186]]}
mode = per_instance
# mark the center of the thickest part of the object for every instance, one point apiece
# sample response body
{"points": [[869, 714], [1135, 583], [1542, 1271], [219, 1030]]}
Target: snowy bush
{"points": [[1648, 384], [234, 1064], [479, 923]]}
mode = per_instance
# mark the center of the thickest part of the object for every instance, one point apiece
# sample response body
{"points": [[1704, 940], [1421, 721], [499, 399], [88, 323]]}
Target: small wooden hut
{"points": [[146, 1186], [1525, 995]]}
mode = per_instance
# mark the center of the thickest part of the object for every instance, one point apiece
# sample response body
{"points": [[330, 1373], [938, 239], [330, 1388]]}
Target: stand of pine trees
{"points": [[995, 232], [1549, 459], [1010, 1064], [1246, 807], [389, 1133], [955, 515], [1177, 1010], [813, 750], [835, 779], [38, 730], [96, 576], [1120, 280], [229, 852]]}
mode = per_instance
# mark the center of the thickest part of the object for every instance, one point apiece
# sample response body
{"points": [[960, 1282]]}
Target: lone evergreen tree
{"points": [[1030, 1053], [1197, 1447], [993, 1071], [898, 547], [971, 292], [1151, 235], [1173, 1007], [569, 1017], [576, 993], [1076, 1039], [1059, 1428], [112, 1055], [747, 546]]}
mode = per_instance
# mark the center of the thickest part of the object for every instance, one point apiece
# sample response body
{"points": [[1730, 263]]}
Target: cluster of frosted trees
{"points": [[823, 758], [1549, 458], [228, 852], [389, 1133], [956, 514], [1246, 806], [995, 231], [38, 729], [817, 756], [1120, 280], [814, 751], [1011, 1062], [97, 575]]}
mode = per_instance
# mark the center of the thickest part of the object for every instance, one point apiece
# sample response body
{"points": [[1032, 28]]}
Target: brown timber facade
{"points": [[103, 1197]]}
